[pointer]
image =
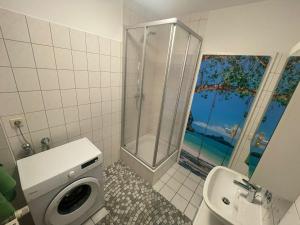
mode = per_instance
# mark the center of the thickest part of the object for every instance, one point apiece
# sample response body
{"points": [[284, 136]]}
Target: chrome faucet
{"points": [[45, 143], [251, 188]]}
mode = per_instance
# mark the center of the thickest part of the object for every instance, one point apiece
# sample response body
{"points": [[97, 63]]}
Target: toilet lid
{"points": [[72, 202]]}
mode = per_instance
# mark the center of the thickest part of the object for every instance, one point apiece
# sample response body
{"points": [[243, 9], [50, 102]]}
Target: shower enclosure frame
{"points": [[174, 22]]}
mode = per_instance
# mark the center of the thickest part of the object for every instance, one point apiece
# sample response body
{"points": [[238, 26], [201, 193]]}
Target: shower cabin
{"points": [[159, 72]]}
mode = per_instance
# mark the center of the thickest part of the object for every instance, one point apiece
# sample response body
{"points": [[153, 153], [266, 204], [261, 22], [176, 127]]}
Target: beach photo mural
{"points": [[280, 99], [225, 89]]}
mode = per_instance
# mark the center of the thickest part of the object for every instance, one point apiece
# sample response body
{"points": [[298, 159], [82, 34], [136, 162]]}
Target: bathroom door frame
{"points": [[272, 66]]}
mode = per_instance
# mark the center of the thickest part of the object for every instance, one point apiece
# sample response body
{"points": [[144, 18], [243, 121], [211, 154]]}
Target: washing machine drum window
{"points": [[72, 202]]}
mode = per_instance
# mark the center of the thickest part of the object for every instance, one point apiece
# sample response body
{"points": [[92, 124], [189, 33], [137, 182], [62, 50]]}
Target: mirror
{"points": [[274, 159]]}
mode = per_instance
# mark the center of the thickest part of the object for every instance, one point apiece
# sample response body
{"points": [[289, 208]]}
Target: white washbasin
{"points": [[219, 184]]}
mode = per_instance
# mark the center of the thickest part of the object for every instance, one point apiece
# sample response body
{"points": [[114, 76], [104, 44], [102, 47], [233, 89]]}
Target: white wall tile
{"points": [[81, 79], [44, 56], [73, 129], [58, 134], [93, 62], [104, 63], [115, 79], [7, 83], [78, 40], [79, 60], [60, 36], [105, 79], [52, 99], [94, 79], [12, 104], [13, 26], [83, 96], [32, 101], [92, 43], [69, 97], [20, 54], [106, 107], [39, 31], [10, 132], [115, 64], [36, 121], [66, 79], [26, 79], [95, 95], [85, 126], [71, 114], [48, 79], [16, 146], [96, 109], [55, 117], [104, 46], [97, 123], [106, 94], [84, 111], [4, 61], [115, 48], [63, 58]]}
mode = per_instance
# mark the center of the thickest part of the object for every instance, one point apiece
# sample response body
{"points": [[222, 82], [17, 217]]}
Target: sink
{"points": [[227, 201]]}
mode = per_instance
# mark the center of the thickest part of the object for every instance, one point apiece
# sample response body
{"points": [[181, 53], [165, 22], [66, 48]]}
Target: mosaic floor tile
{"points": [[130, 200]]}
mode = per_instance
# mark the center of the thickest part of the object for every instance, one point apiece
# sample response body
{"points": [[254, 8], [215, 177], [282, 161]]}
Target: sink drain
{"points": [[226, 201]]}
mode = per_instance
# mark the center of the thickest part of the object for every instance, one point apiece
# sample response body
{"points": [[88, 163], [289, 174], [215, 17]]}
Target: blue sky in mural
{"points": [[225, 89]]}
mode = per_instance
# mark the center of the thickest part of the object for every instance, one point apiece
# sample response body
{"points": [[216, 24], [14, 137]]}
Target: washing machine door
{"points": [[72, 202]]}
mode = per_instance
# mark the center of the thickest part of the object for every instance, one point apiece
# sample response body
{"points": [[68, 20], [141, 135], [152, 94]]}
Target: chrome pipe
{"points": [[124, 87]]}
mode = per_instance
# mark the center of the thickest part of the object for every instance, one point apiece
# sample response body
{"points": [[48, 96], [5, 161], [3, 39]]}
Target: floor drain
{"points": [[226, 201]]}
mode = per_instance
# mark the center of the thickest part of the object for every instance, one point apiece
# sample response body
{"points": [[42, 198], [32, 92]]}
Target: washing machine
{"points": [[63, 185]]}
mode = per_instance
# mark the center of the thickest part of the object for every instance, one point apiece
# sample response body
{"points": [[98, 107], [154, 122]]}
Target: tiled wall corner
{"points": [[65, 84]]}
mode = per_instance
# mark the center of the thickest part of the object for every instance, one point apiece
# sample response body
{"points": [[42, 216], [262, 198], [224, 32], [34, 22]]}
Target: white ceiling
{"points": [[169, 8]]}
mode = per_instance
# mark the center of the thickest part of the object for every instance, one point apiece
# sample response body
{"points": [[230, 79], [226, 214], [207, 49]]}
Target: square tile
{"points": [[13, 26], [7, 83], [58, 134], [60, 36], [199, 190], [68, 97], [26, 79], [55, 117], [83, 96], [44, 56], [94, 79], [96, 109], [174, 184], [171, 171], [194, 177], [92, 43], [79, 60], [73, 129], [97, 124], [95, 95], [77, 40], [63, 58], [32, 101], [190, 184], [104, 63], [4, 61], [104, 46], [66, 79], [179, 176], [115, 93], [48, 79], [115, 64], [11, 132], [184, 171], [99, 215], [106, 94], [190, 211], [36, 121], [85, 126], [52, 99], [185, 193], [20, 54], [165, 178], [93, 62], [196, 200], [81, 79], [115, 48], [179, 202], [105, 79], [116, 79], [71, 114], [106, 107], [116, 106], [167, 192], [39, 31], [84, 111], [12, 104]]}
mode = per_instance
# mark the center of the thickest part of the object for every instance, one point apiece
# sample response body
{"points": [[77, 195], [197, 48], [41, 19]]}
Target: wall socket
{"points": [[12, 122]]}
